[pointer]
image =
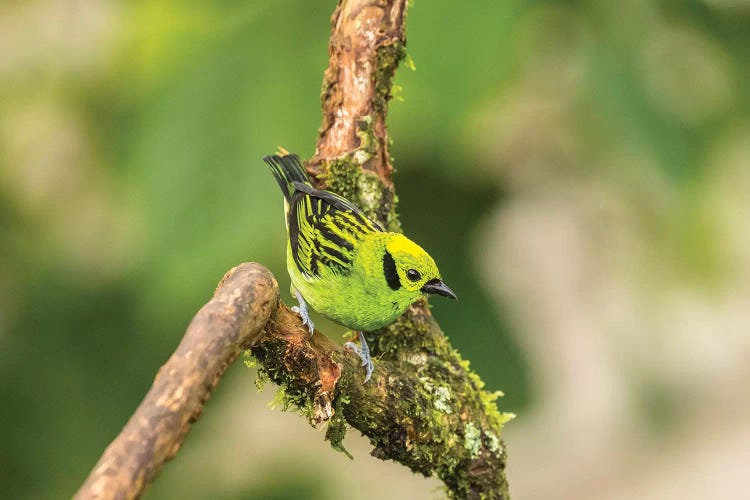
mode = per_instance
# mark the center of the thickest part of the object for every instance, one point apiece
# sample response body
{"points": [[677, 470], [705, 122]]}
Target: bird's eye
{"points": [[413, 275]]}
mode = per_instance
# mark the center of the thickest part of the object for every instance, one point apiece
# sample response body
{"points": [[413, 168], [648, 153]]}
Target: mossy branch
{"points": [[423, 407]]}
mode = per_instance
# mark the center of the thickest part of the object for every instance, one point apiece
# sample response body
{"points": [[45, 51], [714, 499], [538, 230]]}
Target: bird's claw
{"points": [[306, 321], [364, 354], [301, 309], [310, 326]]}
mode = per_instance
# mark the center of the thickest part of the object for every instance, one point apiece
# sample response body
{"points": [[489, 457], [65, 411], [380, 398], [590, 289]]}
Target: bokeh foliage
{"points": [[130, 173]]}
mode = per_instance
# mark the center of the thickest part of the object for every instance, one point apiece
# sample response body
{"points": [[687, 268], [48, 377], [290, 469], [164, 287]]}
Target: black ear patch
{"points": [[389, 269]]}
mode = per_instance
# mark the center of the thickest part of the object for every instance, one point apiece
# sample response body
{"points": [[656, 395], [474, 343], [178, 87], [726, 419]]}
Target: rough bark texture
{"points": [[351, 154], [423, 406], [218, 333], [367, 41]]}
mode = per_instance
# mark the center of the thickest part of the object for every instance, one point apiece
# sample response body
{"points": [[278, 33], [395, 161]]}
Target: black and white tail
{"points": [[287, 170]]}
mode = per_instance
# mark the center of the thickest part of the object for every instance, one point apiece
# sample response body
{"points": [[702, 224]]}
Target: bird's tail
{"points": [[287, 170]]}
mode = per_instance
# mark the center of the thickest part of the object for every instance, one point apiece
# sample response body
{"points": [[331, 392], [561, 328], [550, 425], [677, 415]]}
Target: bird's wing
{"points": [[324, 231]]}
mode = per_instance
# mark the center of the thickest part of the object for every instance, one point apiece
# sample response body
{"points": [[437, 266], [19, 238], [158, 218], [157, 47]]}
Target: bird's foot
{"points": [[364, 354], [302, 311]]}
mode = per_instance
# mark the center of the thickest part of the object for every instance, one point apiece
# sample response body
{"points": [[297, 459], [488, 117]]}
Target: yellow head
{"points": [[408, 268]]}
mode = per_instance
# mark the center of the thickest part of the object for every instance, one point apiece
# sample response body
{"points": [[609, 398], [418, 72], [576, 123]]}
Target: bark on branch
{"points": [[423, 406], [219, 332]]}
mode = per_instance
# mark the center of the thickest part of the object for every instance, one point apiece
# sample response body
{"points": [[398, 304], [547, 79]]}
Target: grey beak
{"points": [[437, 287]]}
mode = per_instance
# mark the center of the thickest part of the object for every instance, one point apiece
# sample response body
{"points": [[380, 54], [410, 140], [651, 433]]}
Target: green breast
{"points": [[361, 299], [356, 303]]}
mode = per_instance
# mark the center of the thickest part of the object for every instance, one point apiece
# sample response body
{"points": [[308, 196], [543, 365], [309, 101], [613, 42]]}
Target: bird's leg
{"points": [[364, 354], [302, 311]]}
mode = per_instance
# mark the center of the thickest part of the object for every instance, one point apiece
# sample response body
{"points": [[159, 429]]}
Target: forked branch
{"points": [[423, 407]]}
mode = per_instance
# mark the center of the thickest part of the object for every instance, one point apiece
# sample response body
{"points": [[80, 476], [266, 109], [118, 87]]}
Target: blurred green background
{"points": [[579, 169]]}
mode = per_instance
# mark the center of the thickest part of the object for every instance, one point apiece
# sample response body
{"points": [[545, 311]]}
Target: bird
{"points": [[345, 265]]}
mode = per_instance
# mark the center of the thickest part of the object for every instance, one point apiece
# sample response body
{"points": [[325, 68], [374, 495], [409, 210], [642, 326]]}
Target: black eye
{"points": [[413, 275]]}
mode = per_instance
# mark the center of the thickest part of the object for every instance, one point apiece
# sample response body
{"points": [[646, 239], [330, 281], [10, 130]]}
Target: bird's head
{"points": [[409, 268]]}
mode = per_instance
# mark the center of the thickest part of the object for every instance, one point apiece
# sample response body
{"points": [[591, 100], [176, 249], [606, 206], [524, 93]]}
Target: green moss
{"points": [[388, 58], [449, 408], [489, 399], [346, 177], [337, 428], [279, 399], [289, 399], [260, 375], [249, 359], [291, 393], [433, 423], [408, 334], [409, 63], [260, 380], [341, 175], [368, 141], [397, 93]]}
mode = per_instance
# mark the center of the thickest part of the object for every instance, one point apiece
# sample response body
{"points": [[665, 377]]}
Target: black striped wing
{"points": [[324, 230]]}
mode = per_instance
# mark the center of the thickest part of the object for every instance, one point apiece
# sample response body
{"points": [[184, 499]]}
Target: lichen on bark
{"points": [[455, 427], [424, 407]]}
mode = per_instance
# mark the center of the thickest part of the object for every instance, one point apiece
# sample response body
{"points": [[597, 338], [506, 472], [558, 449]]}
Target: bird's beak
{"points": [[437, 287]]}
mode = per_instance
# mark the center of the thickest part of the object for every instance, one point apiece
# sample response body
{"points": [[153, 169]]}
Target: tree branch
{"points": [[367, 43], [423, 406], [351, 158], [219, 332]]}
